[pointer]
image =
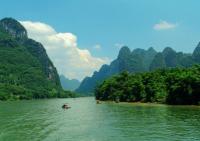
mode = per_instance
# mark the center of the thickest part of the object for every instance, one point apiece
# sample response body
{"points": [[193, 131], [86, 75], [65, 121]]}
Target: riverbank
{"points": [[175, 86], [109, 121], [146, 104]]}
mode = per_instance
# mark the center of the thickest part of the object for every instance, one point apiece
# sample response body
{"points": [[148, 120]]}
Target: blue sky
{"points": [[105, 23]]}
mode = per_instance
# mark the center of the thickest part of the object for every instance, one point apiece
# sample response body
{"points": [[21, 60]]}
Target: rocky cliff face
{"points": [[24, 64], [14, 28], [37, 50]]}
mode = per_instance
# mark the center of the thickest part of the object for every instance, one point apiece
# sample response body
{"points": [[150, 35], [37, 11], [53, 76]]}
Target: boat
{"points": [[65, 106], [98, 102]]}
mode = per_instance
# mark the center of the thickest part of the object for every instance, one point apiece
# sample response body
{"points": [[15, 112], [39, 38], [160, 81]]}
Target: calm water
{"points": [[37, 120]]}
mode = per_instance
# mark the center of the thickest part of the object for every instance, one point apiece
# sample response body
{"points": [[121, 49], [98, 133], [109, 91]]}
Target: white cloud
{"points": [[62, 48], [164, 25], [97, 46], [119, 45]]}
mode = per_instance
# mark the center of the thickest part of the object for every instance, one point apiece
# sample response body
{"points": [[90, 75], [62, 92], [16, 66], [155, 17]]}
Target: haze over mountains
{"points": [[139, 60], [69, 84]]}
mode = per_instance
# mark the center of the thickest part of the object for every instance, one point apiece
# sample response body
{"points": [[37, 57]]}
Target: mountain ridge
{"points": [[126, 60], [139, 60], [69, 84]]}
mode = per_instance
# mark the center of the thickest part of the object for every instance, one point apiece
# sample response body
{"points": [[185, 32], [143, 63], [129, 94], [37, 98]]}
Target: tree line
{"points": [[177, 86]]}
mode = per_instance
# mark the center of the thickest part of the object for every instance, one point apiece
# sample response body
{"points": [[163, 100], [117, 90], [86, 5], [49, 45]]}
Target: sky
{"points": [[81, 35]]}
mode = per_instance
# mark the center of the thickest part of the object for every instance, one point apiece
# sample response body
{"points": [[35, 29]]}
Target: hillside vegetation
{"points": [[25, 69], [171, 86]]}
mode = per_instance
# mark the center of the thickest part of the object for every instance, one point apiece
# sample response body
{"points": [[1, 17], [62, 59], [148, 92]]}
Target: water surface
{"points": [[38, 120]]}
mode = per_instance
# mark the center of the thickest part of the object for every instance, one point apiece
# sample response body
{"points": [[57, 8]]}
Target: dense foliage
{"points": [[25, 70], [140, 60], [172, 86]]}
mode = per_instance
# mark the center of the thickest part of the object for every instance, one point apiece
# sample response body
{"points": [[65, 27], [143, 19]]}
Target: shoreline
{"points": [[147, 104]]}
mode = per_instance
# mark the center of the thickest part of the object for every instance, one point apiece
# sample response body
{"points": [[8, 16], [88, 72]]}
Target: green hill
{"points": [[25, 69]]}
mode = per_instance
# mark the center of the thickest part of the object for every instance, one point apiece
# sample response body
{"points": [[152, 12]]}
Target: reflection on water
{"points": [[87, 121]]}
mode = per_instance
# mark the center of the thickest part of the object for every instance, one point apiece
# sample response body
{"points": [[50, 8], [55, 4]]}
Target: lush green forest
{"points": [[25, 70], [140, 60], [172, 86]]}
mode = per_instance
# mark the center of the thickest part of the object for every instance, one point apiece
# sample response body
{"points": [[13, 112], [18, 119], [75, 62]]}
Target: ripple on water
{"points": [[86, 121]]}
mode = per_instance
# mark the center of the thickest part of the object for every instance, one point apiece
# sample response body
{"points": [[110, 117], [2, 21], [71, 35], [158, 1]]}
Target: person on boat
{"points": [[65, 106]]}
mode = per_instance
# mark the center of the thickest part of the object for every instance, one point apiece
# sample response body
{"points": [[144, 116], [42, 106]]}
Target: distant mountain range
{"points": [[27, 72], [69, 84], [139, 60]]}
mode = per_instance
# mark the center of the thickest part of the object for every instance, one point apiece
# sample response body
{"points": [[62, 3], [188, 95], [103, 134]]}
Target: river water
{"points": [[45, 120]]}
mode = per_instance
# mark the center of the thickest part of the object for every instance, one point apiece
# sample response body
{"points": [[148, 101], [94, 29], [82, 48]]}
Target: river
{"points": [[45, 120]]}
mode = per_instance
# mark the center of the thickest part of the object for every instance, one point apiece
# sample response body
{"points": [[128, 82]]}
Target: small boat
{"points": [[65, 106], [98, 102]]}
